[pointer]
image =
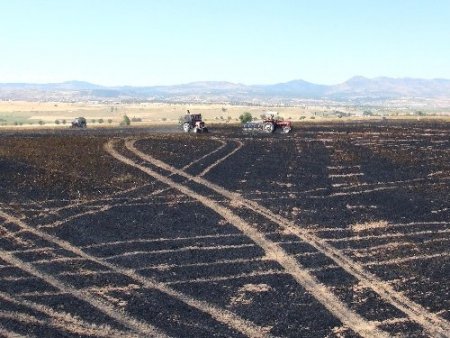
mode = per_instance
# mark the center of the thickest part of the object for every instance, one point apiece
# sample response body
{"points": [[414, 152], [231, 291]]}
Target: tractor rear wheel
{"points": [[186, 127], [269, 127]]}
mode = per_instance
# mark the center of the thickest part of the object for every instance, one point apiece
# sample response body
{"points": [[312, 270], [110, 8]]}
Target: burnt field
{"points": [[338, 230]]}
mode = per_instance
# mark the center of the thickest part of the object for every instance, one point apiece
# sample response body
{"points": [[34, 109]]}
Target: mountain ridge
{"points": [[357, 87]]}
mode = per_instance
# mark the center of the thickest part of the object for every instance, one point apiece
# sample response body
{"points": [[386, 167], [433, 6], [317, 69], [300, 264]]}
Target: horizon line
{"points": [[222, 81]]}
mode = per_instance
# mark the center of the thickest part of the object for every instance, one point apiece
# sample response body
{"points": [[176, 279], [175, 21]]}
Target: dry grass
{"points": [[32, 112], [28, 114], [21, 114], [369, 226], [245, 294]]}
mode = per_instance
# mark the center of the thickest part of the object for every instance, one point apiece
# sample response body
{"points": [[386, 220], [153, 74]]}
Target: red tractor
{"points": [[193, 122], [269, 124]]}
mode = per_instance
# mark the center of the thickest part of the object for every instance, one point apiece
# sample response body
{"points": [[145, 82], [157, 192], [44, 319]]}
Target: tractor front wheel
{"points": [[186, 127], [286, 129]]}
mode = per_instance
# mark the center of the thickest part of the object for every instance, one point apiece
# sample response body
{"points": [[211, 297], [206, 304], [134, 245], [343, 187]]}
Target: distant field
{"points": [[30, 113], [36, 114]]}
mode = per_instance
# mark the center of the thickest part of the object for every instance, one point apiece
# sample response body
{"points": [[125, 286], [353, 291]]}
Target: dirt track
{"points": [[330, 231]]}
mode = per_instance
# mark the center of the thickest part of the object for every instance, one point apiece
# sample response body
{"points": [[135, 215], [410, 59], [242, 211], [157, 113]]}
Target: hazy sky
{"points": [[150, 42]]}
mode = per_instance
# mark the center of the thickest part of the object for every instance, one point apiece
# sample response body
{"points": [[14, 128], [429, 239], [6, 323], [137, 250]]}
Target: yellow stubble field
{"points": [[21, 113]]}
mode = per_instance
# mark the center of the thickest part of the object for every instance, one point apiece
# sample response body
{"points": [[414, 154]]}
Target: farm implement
{"points": [[269, 124]]}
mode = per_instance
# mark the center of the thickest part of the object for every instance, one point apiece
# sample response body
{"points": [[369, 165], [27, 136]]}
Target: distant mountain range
{"points": [[356, 88]]}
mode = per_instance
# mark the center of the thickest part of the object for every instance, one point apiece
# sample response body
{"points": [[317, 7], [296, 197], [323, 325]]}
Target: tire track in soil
{"points": [[433, 324], [65, 321], [158, 240], [272, 250], [216, 163], [110, 198], [10, 334], [384, 236], [95, 204], [396, 261], [223, 316], [105, 208], [99, 209], [136, 326], [96, 210], [73, 217], [206, 155], [104, 199]]}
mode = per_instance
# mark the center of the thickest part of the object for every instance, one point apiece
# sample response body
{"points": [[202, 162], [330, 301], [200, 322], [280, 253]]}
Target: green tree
{"points": [[246, 117], [125, 121]]}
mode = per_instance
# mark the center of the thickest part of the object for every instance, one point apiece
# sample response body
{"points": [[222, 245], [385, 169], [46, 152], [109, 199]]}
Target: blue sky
{"points": [[152, 42]]}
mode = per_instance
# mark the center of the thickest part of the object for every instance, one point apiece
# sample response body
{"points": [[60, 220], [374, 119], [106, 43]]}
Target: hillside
{"points": [[356, 88]]}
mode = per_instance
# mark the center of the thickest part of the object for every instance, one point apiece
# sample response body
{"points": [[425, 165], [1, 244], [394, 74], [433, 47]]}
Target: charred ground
{"points": [[147, 256]]}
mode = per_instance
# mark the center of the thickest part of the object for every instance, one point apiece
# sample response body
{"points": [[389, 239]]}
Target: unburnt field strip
{"points": [[331, 231]]}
